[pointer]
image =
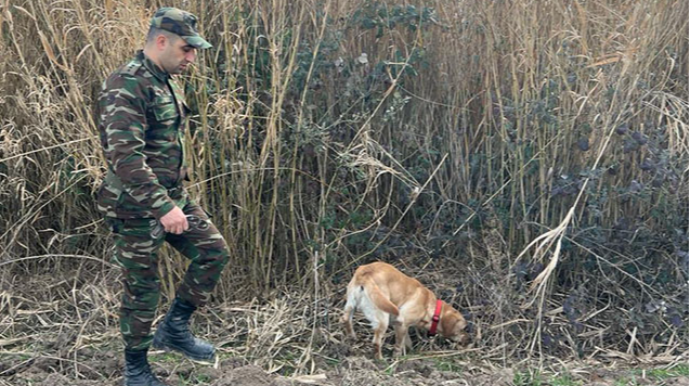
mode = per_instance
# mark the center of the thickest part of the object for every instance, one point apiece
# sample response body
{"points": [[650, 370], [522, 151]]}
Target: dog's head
{"points": [[452, 325]]}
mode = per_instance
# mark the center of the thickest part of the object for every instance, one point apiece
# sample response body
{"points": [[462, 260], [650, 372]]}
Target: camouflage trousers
{"points": [[137, 242]]}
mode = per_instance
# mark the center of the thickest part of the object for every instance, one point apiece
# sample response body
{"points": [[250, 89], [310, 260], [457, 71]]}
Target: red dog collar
{"points": [[436, 318]]}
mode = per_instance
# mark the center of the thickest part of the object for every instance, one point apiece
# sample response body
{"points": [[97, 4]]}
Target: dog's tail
{"points": [[378, 298]]}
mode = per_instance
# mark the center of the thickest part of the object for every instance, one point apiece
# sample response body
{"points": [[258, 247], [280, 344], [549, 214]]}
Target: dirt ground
{"points": [[59, 332], [103, 368]]}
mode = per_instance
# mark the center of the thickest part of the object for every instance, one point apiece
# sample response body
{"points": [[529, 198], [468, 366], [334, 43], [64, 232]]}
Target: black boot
{"points": [[173, 334], [137, 370]]}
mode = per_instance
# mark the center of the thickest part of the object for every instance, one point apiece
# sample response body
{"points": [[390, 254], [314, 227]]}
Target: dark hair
{"points": [[154, 32]]}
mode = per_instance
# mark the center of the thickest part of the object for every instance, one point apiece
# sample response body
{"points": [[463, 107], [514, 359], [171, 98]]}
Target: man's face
{"points": [[177, 55]]}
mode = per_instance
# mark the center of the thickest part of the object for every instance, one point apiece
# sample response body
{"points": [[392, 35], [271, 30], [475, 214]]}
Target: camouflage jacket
{"points": [[141, 118]]}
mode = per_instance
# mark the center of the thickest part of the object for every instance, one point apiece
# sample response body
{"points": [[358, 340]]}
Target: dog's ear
{"points": [[452, 323], [448, 322]]}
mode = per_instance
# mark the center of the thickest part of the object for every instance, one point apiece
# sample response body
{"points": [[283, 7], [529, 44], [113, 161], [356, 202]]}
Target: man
{"points": [[142, 115]]}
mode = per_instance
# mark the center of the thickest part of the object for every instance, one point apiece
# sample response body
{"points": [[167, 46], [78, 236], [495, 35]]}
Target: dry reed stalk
{"points": [[365, 162]]}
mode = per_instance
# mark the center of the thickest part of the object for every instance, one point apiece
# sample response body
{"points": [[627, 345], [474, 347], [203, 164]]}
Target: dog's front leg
{"points": [[408, 341], [402, 340]]}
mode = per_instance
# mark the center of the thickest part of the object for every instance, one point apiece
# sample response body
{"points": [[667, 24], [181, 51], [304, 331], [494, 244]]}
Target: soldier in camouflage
{"points": [[141, 118]]}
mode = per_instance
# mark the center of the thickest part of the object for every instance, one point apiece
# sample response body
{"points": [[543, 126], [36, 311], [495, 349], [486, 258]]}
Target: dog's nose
{"points": [[463, 339]]}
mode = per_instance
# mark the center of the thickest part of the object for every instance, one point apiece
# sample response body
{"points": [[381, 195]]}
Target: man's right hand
{"points": [[175, 221]]}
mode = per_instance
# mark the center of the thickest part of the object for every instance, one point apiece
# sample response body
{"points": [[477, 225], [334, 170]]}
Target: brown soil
{"points": [[677, 381], [46, 341], [103, 369]]}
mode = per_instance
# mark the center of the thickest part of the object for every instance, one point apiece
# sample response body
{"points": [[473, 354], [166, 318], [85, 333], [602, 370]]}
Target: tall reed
{"points": [[331, 133]]}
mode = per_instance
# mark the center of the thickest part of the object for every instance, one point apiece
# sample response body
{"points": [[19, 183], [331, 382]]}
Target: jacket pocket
{"points": [[164, 109]]}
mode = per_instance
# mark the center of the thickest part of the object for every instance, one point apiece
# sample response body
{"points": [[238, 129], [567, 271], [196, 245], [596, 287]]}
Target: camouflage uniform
{"points": [[142, 115]]}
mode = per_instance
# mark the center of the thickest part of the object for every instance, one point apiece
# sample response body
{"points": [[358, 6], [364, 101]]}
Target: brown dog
{"points": [[382, 292]]}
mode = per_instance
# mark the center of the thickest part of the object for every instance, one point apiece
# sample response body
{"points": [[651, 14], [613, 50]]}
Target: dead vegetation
{"points": [[526, 160], [68, 336]]}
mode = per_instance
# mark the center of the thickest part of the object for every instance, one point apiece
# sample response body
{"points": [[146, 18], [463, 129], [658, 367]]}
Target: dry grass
{"points": [[537, 152], [70, 330]]}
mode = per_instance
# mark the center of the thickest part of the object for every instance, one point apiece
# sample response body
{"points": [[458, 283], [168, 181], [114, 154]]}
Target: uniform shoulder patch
{"points": [[131, 68]]}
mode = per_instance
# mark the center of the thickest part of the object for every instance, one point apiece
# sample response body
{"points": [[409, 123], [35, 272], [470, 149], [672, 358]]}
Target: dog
{"points": [[385, 294]]}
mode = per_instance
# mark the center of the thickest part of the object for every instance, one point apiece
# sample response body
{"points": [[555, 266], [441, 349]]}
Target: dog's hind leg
{"points": [[380, 325], [378, 318], [348, 312], [346, 320]]}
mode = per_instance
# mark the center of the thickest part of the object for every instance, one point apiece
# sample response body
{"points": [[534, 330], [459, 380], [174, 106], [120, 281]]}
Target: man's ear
{"points": [[161, 42]]}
